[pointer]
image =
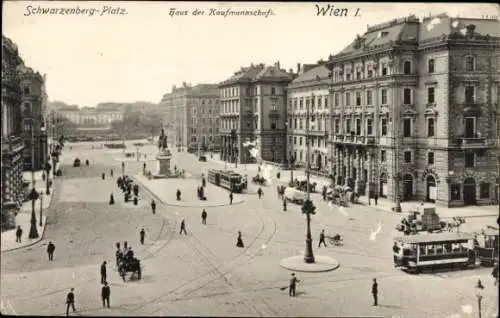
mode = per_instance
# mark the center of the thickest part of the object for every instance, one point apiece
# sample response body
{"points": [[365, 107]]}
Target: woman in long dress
{"points": [[239, 242]]}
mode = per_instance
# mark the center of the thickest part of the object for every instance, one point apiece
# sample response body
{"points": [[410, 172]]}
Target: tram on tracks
{"points": [[428, 251], [228, 179]]}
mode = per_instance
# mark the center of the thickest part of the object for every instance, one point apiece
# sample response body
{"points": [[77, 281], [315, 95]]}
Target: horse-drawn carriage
{"points": [[341, 195], [259, 180], [129, 264], [302, 185], [429, 221]]}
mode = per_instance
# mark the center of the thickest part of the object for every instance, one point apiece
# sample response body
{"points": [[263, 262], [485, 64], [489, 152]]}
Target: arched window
{"points": [[430, 66]]}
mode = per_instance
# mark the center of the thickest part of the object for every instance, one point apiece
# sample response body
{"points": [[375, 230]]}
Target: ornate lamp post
{"points": [[33, 194], [479, 295], [308, 208]]}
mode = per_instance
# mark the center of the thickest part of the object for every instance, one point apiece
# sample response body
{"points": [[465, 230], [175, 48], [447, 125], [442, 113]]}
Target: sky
{"points": [[138, 51]]}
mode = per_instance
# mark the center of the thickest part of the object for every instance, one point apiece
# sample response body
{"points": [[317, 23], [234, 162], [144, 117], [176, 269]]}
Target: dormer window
{"points": [[407, 67], [382, 34], [470, 62]]}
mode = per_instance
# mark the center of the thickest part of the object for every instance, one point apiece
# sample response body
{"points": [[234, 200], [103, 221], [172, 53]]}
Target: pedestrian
{"points": [[142, 234], [293, 285], [278, 175], [376, 199], [178, 195], [153, 206], [50, 250], [111, 199], [136, 200], [395, 250], [284, 204], [239, 240], [322, 238], [70, 301], [19, 233], [103, 272], [231, 198], [375, 292], [204, 217], [123, 167], [183, 227], [111, 172], [103, 176], [105, 293], [144, 167], [260, 192]]}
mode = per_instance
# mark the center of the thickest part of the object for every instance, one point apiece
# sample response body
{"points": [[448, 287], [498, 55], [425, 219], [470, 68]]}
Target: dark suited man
{"points": [[375, 292], [204, 217], [105, 293], [70, 301], [50, 251]]}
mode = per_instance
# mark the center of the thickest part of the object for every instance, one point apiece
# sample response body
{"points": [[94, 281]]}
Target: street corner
{"points": [[8, 238], [165, 190]]}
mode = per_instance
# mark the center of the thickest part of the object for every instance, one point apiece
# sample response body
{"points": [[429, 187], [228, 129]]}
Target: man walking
{"points": [[153, 206], [103, 272], [183, 227], [260, 193], [293, 284], [142, 234], [50, 251], [322, 238], [375, 292], [231, 198], [19, 233], [70, 301], [204, 217], [105, 293]]}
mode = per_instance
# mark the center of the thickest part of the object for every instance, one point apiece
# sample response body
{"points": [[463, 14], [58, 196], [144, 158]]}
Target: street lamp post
{"points": [[308, 208], [41, 208], [33, 195]]}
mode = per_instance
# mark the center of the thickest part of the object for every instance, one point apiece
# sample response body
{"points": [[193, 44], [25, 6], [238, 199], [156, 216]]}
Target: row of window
{"points": [[205, 121], [456, 191], [204, 130], [194, 138], [208, 111], [314, 124], [249, 91], [315, 141], [321, 102], [371, 70]]}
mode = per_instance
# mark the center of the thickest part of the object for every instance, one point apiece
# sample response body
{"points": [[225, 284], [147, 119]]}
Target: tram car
{"points": [[486, 246], [228, 179], [439, 250]]}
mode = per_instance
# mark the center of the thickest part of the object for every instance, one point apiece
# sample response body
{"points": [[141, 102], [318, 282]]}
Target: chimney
{"points": [[298, 68], [290, 71], [277, 65], [184, 84]]}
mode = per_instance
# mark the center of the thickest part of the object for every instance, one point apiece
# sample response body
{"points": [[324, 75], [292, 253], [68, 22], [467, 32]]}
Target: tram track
{"points": [[214, 269]]}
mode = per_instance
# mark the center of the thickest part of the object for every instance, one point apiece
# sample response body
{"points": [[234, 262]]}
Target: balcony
{"points": [[472, 142], [274, 113], [337, 138]]}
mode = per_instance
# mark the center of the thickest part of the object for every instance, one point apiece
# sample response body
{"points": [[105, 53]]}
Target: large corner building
{"points": [[414, 110]]}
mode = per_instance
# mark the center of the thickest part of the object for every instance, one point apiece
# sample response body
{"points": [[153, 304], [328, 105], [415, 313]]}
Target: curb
{"points": [[40, 238], [184, 206]]}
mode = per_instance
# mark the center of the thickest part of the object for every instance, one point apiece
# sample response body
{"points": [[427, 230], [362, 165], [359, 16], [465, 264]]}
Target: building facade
{"points": [[253, 109], [90, 116], [12, 135], [33, 104], [309, 100], [414, 108], [191, 116]]}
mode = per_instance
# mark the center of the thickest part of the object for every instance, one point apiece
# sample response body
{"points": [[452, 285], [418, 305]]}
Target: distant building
{"points": [[415, 106], [253, 108], [90, 116], [12, 134], [33, 112], [191, 116], [310, 90]]}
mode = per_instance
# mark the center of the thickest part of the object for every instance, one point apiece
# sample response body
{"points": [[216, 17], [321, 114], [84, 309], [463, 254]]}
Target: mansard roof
{"points": [[318, 73]]}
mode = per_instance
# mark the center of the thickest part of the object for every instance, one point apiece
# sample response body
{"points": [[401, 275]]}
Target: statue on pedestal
{"points": [[162, 140]]}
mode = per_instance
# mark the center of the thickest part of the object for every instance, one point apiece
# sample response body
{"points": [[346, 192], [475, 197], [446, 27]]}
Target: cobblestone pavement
{"points": [[203, 273]]}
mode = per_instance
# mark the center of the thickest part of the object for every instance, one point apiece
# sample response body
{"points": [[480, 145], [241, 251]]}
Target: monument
{"points": [[164, 157]]}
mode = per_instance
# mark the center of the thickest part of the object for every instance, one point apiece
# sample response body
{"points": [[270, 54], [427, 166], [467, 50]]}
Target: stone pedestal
{"points": [[164, 157]]}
